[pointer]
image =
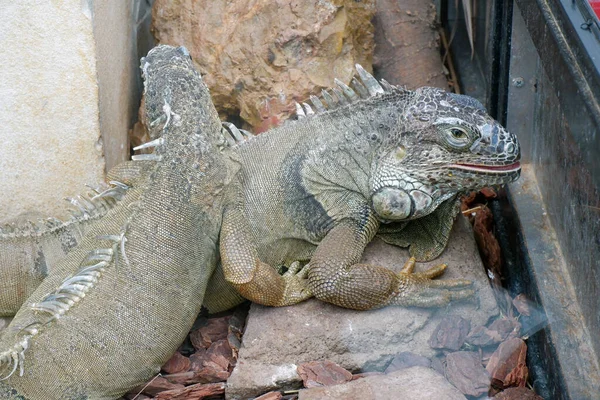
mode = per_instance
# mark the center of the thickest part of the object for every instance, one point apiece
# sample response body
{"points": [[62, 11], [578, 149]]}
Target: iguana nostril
{"points": [[510, 148]]}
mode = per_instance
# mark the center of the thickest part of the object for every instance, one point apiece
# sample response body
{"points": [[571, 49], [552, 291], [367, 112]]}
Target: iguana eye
{"points": [[457, 137]]}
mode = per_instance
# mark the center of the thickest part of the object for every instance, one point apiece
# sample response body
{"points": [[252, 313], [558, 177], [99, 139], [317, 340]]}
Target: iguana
{"points": [[374, 159], [120, 303]]}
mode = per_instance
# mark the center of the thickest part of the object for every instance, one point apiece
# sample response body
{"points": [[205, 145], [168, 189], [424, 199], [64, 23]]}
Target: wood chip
{"points": [[270, 396], [194, 392], [215, 329], [522, 304], [176, 364], [465, 371], [450, 333], [156, 385], [507, 365], [323, 373]]}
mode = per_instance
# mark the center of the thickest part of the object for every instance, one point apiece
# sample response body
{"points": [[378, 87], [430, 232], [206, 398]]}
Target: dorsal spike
{"points": [[307, 109], [234, 131], [153, 143], [146, 157], [360, 88], [299, 111], [340, 95], [317, 103], [369, 81], [331, 102], [247, 134], [351, 94], [388, 87], [227, 136]]}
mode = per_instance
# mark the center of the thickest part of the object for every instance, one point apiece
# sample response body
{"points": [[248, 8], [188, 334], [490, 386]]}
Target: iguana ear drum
{"points": [[392, 203]]}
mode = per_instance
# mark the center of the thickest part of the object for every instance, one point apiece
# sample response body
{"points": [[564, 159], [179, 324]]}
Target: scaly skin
{"points": [[143, 267], [320, 189], [30, 250]]}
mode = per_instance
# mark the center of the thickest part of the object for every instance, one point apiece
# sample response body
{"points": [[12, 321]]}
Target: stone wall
{"points": [[68, 91]]}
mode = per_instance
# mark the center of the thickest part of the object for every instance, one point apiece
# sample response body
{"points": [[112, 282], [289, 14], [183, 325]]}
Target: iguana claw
{"points": [[419, 288]]}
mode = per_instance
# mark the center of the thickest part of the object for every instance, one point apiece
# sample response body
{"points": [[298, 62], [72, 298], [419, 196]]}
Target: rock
{"points": [[450, 333], [507, 365], [277, 339], [518, 393], [258, 56], [406, 359], [215, 329], [365, 374], [416, 383], [405, 30], [322, 373], [177, 363], [465, 371], [194, 392]]}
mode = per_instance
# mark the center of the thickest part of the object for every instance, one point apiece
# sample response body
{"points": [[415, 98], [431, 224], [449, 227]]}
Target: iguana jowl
{"points": [[379, 159]]}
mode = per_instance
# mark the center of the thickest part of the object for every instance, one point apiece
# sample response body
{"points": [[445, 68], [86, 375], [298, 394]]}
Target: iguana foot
{"points": [[296, 288], [419, 289]]}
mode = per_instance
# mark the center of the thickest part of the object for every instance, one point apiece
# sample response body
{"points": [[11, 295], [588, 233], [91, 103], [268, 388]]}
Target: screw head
{"points": [[518, 81]]}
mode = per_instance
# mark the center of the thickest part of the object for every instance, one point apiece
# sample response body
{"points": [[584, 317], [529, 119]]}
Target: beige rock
{"points": [[416, 383], [356, 340], [261, 55], [63, 81]]}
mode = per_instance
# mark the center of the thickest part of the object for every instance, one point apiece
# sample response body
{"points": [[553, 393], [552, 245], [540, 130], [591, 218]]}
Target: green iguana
{"points": [[376, 159]]}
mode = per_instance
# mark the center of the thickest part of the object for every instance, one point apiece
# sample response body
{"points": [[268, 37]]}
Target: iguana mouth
{"points": [[489, 168]]}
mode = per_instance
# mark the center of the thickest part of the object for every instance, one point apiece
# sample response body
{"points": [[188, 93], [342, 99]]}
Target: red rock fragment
{"points": [[406, 359], [522, 304], [465, 371], [176, 364], [517, 393], [322, 373], [507, 364], [450, 333], [498, 331], [216, 329], [270, 396], [194, 392]]}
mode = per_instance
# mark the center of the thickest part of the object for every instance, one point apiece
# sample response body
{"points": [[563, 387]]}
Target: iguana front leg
{"points": [[252, 278], [336, 276]]}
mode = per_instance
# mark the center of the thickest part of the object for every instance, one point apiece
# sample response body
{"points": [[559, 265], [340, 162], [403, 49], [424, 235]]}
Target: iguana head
{"points": [[441, 145]]}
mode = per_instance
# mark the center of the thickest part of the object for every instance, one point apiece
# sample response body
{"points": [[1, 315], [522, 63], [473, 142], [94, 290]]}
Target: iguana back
{"points": [[117, 307]]}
